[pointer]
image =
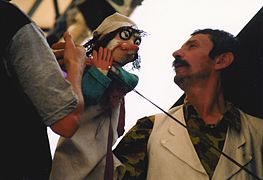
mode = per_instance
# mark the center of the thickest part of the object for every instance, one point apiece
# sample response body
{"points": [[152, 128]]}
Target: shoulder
{"points": [[253, 120], [13, 15], [147, 119], [173, 111], [140, 131], [145, 123], [148, 122], [251, 123]]}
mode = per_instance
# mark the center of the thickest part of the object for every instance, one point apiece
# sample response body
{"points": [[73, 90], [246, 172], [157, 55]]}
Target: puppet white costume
{"points": [[84, 155]]}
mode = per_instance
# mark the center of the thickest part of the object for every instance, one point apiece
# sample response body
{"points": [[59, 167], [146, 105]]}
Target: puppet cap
{"points": [[114, 22]]}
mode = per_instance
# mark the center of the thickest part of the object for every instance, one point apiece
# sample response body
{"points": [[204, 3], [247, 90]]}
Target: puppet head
{"points": [[119, 34]]}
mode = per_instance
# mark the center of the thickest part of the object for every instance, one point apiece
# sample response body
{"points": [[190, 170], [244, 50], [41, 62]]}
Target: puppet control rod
{"points": [[201, 136]]}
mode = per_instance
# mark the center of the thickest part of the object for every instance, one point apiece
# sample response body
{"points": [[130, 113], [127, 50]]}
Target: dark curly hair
{"points": [[222, 41]]}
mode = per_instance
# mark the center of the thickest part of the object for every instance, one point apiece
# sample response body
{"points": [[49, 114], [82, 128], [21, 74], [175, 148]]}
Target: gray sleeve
{"points": [[40, 75]]}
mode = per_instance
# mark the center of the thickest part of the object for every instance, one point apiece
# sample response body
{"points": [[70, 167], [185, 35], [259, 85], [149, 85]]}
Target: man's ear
{"points": [[224, 60]]}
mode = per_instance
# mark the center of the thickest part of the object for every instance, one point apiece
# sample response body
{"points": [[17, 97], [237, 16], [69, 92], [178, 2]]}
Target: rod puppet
{"points": [[88, 155]]}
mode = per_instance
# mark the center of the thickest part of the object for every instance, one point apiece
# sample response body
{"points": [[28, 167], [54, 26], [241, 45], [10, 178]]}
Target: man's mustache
{"points": [[178, 62]]}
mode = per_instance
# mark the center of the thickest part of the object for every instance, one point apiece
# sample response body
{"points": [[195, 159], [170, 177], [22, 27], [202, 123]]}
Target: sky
{"points": [[169, 24]]}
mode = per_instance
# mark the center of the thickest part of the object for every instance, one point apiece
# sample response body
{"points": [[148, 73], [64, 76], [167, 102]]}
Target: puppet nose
{"points": [[129, 47]]}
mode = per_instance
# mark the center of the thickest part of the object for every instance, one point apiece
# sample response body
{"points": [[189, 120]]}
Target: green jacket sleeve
{"points": [[127, 80], [94, 84]]}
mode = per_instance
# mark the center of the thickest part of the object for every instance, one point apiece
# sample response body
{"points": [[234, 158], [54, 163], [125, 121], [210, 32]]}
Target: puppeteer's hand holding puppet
{"points": [[88, 155]]}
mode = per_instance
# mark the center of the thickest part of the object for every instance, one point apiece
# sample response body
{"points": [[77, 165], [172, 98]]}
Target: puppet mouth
{"points": [[126, 59], [130, 56]]}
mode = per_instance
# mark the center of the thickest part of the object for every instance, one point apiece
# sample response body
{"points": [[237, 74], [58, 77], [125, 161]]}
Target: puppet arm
{"points": [[95, 82], [128, 80]]}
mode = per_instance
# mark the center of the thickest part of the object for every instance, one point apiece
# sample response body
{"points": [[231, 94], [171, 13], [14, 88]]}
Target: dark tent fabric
{"points": [[244, 83], [245, 88]]}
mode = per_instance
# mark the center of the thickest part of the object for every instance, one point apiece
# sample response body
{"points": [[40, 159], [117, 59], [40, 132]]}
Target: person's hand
{"points": [[58, 50], [102, 59], [74, 61], [70, 55]]}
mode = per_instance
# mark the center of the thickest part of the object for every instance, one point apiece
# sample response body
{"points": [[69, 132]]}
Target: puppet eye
{"points": [[137, 41], [125, 34]]}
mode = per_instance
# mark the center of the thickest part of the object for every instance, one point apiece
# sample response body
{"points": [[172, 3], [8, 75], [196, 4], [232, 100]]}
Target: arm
{"points": [[74, 63], [30, 60], [94, 85], [42, 80], [127, 80], [132, 149]]}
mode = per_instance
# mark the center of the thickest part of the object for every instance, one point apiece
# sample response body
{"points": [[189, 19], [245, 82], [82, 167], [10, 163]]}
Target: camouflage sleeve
{"points": [[132, 149]]}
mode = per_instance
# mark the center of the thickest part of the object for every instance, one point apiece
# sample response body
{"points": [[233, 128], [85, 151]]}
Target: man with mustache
{"points": [[206, 124], [115, 43]]}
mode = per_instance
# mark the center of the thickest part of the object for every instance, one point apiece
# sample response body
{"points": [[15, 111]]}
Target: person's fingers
{"points": [[69, 43], [58, 45], [59, 53], [78, 45], [66, 35]]}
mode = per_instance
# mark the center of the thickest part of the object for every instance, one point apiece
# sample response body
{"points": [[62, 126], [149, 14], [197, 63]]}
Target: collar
{"points": [[231, 116]]}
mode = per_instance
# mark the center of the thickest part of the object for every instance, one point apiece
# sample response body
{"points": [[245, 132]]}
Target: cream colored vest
{"points": [[172, 155]]}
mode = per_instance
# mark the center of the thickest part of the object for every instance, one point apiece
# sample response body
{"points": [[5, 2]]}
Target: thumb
{"points": [[69, 43]]}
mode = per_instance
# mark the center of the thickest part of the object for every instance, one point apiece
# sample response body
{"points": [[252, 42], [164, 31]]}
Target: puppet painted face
{"points": [[125, 46]]}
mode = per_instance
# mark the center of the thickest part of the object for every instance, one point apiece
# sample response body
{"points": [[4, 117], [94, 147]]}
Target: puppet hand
{"points": [[102, 59]]}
